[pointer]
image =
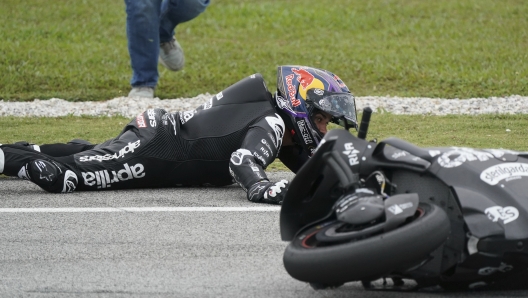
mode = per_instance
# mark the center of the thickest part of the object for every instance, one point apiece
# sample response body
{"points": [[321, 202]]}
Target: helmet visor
{"points": [[341, 106]]}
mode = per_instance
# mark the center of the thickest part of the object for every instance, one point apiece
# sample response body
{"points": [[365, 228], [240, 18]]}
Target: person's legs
{"points": [[174, 12], [142, 25]]}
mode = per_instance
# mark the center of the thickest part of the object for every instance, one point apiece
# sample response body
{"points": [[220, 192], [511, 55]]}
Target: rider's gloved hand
{"points": [[268, 192]]}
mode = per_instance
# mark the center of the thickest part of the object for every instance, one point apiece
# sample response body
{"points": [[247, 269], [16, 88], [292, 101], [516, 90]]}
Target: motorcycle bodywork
{"points": [[484, 193]]}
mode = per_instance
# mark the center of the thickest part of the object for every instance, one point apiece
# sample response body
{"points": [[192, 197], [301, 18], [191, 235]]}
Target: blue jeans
{"points": [[149, 23]]}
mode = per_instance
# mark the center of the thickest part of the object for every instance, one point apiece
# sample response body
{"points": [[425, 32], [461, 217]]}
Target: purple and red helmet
{"points": [[301, 91]]}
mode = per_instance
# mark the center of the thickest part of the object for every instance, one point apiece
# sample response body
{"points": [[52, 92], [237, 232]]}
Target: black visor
{"points": [[341, 106]]}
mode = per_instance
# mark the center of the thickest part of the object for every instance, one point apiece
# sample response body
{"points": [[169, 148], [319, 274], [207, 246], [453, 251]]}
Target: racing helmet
{"points": [[302, 91]]}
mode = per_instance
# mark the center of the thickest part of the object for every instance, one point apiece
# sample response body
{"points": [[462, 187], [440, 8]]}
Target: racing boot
{"points": [[50, 175]]}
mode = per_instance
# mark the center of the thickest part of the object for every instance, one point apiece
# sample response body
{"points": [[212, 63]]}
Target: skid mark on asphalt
{"points": [[140, 209]]}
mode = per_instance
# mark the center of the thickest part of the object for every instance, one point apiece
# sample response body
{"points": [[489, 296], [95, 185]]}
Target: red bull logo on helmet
{"points": [[303, 77], [291, 91], [307, 81]]}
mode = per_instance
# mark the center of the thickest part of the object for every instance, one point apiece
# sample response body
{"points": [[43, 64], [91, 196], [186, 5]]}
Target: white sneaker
{"points": [[144, 92], [171, 55]]}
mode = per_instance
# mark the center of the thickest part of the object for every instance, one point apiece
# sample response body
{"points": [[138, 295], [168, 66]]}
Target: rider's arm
{"points": [[259, 148], [248, 163]]}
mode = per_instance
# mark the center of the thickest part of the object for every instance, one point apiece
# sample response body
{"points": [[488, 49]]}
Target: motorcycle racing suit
{"points": [[232, 137]]}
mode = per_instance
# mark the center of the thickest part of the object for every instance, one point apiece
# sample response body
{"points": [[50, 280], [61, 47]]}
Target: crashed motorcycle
{"points": [[452, 217]]}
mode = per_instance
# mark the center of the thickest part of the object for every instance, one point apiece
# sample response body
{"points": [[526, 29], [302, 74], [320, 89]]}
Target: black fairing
{"points": [[490, 186], [313, 192], [484, 193]]}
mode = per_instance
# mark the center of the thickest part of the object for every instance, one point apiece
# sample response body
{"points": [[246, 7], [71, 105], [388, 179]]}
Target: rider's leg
{"points": [[64, 149], [41, 169]]}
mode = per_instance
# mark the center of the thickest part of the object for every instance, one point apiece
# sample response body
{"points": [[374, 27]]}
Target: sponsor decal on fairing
{"points": [[399, 154], [318, 91], [434, 153], [509, 171], [127, 149], [506, 214], [398, 208], [104, 179], [459, 155], [351, 153]]}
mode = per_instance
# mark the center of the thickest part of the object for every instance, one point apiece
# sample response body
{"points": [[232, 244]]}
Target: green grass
{"points": [[47, 130], [485, 131], [446, 48]]}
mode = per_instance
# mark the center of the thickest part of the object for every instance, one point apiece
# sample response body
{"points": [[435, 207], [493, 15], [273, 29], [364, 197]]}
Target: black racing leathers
{"points": [[234, 135]]}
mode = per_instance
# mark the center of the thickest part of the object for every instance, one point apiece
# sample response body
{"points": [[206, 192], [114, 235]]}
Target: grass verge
{"points": [[446, 48]]}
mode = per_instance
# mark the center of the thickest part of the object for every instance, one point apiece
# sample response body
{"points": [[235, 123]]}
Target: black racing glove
{"points": [[268, 192]]}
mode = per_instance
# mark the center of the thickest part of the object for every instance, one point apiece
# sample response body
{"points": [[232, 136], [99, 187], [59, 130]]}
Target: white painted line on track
{"points": [[139, 209]]}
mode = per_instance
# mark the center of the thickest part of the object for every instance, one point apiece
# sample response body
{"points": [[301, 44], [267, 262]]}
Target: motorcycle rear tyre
{"points": [[369, 258]]}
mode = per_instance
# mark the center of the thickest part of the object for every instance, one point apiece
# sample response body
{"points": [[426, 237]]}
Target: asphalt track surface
{"points": [[177, 242]]}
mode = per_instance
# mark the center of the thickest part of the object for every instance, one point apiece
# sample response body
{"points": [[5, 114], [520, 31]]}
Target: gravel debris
{"points": [[130, 107]]}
